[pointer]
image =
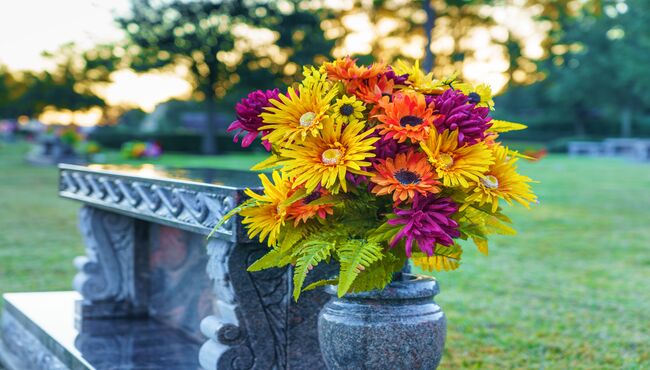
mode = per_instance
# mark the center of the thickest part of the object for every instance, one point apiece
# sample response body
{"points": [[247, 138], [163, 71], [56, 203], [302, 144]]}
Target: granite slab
{"points": [[39, 329]]}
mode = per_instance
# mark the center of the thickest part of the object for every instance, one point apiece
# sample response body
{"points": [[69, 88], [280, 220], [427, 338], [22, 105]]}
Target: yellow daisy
{"points": [[347, 110], [312, 77], [502, 182], [298, 114], [481, 94], [327, 158], [455, 165], [419, 81], [267, 216]]}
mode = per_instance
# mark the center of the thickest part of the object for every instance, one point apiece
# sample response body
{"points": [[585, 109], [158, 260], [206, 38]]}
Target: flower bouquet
{"points": [[141, 149], [374, 165]]}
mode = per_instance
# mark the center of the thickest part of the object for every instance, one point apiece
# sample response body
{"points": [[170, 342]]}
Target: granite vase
{"points": [[399, 327]]}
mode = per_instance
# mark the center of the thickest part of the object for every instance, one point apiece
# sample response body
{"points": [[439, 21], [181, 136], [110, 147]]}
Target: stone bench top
{"points": [[194, 199]]}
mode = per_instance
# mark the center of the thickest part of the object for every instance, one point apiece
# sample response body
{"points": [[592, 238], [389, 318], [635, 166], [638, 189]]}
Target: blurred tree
{"points": [[456, 35], [221, 44], [71, 85], [8, 87], [597, 70]]}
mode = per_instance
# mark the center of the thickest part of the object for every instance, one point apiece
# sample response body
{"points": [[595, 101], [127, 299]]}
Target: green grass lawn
{"points": [[571, 291]]}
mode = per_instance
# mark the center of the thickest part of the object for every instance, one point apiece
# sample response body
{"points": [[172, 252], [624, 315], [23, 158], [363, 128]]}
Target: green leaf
{"points": [[481, 244], [384, 233], [248, 203], [505, 126], [355, 255], [274, 258], [320, 283], [299, 194], [326, 199], [379, 274], [308, 257], [270, 162], [443, 259]]}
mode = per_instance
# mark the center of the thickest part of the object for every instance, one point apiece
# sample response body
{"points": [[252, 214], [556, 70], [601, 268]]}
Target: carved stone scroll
{"points": [[256, 325], [190, 206], [109, 275]]}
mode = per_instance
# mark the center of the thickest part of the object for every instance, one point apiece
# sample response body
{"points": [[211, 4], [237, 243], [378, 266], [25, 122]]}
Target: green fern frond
{"points": [[384, 233], [293, 235], [274, 258], [355, 255], [443, 259], [320, 283], [379, 274], [309, 256]]}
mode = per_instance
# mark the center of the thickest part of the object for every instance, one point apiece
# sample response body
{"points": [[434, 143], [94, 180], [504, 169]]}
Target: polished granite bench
{"points": [[153, 292]]}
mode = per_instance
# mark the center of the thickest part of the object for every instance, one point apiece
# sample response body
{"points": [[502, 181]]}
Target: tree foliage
{"points": [[222, 44], [595, 74]]}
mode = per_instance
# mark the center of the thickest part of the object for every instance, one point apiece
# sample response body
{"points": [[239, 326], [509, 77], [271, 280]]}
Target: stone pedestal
{"points": [[153, 293], [51, 151]]}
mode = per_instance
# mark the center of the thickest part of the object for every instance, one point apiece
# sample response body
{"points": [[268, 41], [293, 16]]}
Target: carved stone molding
{"points": [[249, 327], [25, 348], [191, 206], [107, 278]]}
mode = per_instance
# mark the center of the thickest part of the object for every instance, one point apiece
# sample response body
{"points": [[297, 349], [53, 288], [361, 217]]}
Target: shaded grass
{"points": [[571, 291], [38, 230]]}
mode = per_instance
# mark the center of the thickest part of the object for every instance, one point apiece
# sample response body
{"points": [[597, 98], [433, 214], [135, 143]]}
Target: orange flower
{"points": [[406, 117], [372, 90], [346, 69], [405, 175], [302, 210]]}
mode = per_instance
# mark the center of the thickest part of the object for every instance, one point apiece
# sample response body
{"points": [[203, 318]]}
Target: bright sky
{"points": [[29, 27]]}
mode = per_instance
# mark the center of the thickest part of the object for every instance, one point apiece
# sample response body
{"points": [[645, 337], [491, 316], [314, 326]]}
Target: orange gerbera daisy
{"points": [[406, 117], [346, 69], [405, 175], [372, 90], [304, 209]]}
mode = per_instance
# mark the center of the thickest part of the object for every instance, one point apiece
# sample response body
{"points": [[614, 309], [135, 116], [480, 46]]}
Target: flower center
{"points": [[410, 121], [406, 177], [346, 109], [446, 160], [331, 156], [474, 98], [490, 182], [307, 119]]}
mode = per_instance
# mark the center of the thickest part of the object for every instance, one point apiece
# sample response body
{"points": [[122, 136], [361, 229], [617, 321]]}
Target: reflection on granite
{"points": [[230, 178], [101, 344], [181, 291]]}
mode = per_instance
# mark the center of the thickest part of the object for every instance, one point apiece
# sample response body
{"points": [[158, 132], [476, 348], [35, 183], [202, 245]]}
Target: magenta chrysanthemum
{"points": [[388, 148], [457, 113], [398, 79], [428, 222], [248, 116]]}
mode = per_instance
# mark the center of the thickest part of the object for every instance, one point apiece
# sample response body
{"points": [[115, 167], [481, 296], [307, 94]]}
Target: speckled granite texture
{"points": [[399, 328]]}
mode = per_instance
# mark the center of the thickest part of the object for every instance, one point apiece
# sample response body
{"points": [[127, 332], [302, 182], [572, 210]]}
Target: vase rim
{"points": [[416, 286]]}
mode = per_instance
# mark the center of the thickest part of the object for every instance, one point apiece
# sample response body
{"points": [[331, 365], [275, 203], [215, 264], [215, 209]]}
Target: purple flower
{"points": [[427, 222], [398, 79], [430, 99], [356, 180], [387, 147], [152, 150], [248, 116], [457, 113]]}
